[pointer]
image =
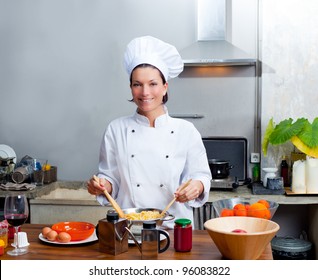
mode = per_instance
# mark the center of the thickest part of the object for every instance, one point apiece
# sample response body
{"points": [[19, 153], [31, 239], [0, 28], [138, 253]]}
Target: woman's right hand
{"points": [[96, 188]]}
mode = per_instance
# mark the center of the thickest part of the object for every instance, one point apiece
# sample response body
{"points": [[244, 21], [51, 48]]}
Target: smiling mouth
{"points": [[146, 100]]}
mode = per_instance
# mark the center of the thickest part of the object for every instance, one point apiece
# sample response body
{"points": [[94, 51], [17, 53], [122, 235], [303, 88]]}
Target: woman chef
{"points": [[145, 158]]}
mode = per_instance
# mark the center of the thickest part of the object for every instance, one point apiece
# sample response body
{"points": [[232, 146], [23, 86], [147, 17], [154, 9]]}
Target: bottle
{"points": [[284, 171], [112, 234], [256, 173], [182, 235]]}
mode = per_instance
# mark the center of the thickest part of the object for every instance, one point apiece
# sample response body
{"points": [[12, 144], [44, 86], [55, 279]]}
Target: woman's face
{"points": [[148, 90]]}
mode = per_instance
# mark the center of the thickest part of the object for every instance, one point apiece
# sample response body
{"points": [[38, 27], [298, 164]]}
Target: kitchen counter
{"points": [[47, 188], [203, 248], [49, 210], [245, 192], [215, 194]]}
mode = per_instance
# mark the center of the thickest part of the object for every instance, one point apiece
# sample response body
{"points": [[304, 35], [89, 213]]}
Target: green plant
{"points": [[302, 133]]}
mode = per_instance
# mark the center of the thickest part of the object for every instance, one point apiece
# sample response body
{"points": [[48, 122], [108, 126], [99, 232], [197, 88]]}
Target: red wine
{"points": [[16, 219]]}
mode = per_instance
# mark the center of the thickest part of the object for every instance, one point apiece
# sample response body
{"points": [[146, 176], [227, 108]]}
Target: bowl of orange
{"points": [[77, 230], [241, 238], [245, 207]]}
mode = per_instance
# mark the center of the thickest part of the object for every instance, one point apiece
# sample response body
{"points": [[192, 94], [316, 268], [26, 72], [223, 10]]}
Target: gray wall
{"points": [[62, 78], [290, 56]]}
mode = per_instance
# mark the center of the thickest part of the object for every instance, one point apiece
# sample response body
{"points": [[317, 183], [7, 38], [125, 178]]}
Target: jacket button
{"points": [[138, 185], [172, 131], [161, 185], [132, 155], [133, 131], [167, 156]]}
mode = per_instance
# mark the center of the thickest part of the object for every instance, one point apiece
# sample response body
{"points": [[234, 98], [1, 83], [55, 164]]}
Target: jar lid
{"points": [[112, 216], [149, 224], [290, 244], [183, 222]]}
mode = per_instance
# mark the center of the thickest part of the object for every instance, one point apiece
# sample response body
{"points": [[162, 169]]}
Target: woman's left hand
{"points": [[192, 191]]}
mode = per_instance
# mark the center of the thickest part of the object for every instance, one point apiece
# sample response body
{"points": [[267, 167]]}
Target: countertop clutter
{"points": [[203, 248], [216, 194]]}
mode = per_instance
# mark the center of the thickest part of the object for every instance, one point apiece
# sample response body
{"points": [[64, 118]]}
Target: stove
{"points": [[233, 150], [227, 183]]}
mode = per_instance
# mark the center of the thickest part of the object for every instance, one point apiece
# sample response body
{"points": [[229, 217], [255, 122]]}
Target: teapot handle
{"points": [[134, 238], [163, 232]]}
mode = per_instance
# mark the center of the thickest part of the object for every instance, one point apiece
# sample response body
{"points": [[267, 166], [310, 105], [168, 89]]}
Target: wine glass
{"points": [[16, 212]]}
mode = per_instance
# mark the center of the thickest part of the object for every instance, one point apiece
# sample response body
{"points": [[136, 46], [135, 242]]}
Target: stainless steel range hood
{"points": [[215, 53], [213, 29]]}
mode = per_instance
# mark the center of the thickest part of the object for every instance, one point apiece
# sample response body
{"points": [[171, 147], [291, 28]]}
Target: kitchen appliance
{"points": [[232, 150], [211, 48]]}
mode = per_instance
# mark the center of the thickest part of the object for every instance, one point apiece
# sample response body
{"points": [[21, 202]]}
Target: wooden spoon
{"points": [[112, 201], [173, 200]]}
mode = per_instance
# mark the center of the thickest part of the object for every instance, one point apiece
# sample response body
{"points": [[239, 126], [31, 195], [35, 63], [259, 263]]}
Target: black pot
{"points": [[220, 169]]}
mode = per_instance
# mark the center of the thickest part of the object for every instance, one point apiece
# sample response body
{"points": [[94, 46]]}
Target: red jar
{"points": [[182, 235]]}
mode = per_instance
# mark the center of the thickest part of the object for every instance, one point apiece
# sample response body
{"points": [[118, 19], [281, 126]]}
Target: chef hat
{"points": [[155, 52]]}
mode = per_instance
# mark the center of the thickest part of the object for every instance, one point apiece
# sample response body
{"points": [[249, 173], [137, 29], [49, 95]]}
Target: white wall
{"points": [[61, 73], [62, 79], [289, 53]]}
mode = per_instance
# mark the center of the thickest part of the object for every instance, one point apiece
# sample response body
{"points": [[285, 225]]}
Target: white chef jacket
{"points": [[146, 165]]}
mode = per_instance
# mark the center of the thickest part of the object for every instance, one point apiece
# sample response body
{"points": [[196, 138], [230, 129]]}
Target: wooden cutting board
{"points": [[289, 192]]}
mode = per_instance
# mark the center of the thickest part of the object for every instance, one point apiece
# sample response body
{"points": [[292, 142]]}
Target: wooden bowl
{"points": [[241, 246]]}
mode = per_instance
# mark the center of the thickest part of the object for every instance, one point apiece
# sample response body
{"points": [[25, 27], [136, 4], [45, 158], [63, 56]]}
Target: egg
{"points": [[63, 237], [52, 235], [45, 231]]}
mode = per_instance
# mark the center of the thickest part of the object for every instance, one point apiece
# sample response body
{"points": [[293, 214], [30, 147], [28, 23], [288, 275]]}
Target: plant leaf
{"points": [[309, 134], [268, 132], [285, 130]]}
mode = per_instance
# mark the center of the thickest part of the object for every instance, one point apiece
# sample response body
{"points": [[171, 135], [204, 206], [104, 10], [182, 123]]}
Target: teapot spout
{"points": [[134, 238]]}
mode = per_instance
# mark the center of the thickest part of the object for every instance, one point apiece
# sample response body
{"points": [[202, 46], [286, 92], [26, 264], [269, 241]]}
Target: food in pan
{"points": [[144, 215]]}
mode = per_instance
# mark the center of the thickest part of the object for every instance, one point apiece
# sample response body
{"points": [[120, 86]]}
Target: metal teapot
{"points": [[150, 240]]}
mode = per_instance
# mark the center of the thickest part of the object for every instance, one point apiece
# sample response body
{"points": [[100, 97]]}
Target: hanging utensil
{"points": [[111, 200], [174, 199]]}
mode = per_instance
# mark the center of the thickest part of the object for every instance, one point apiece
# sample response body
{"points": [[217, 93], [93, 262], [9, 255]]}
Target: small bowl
{"points": [[229, 203], [77, 230], [241, 246]]}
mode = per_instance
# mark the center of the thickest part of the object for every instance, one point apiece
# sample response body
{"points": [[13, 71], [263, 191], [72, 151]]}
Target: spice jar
{"points": [[4, 233], [182, 235]]}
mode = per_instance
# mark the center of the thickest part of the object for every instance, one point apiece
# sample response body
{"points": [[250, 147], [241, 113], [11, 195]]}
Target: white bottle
{"points": [[299, 177], [312, 175]]}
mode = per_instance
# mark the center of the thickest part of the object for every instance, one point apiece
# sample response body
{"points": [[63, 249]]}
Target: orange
{"points": [[239, 210], [227, 212], [265, 202], [258, 210]]}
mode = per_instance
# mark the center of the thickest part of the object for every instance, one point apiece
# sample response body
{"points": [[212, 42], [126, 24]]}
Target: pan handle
{"points": [[230, 167]]}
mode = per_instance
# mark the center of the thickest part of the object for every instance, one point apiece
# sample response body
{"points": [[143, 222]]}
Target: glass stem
{"points": [[17, 233]]}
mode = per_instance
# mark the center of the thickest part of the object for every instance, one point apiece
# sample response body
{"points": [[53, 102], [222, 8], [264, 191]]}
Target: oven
{"points": [[233, 150]]}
